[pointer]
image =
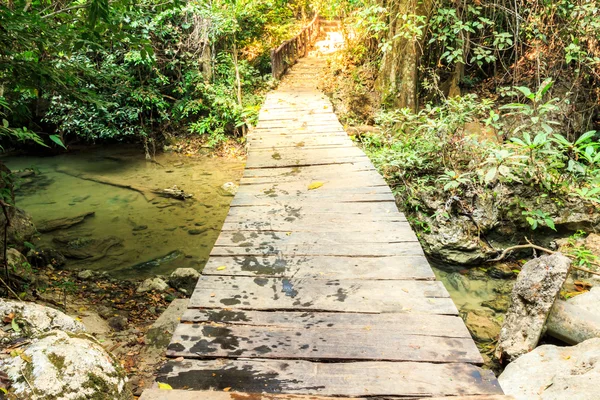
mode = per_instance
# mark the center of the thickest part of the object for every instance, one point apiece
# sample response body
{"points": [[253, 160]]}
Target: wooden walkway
{"points": [[317, 285]]}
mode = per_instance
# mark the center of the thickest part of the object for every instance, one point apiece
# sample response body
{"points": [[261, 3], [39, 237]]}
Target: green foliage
{"points": [[103, 70]]}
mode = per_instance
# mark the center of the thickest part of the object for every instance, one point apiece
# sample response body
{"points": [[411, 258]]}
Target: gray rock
{"points": [[19, 266], [572, 324], [43, 257], [160, 333], [228, 189], [106, 312], [117, 323], [35, 319], [184, 279], [555, 373], [156, 284], [21, 228], [589, 301], [533, 296], [86, 274], [65, 366]]}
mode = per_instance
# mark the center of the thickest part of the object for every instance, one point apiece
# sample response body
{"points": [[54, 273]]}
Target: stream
{"points": [[130, 234]]}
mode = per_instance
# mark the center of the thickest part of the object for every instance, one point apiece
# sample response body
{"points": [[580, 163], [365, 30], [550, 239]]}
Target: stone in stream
{"points": [[555, 373], [63, 223], [533, 296], [155, 284], [43, 257], [481, 324], [157, 262], [64, 366], [228, 189], [184, 279]]}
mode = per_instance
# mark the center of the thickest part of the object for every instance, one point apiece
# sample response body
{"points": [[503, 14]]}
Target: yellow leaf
{"points": [[25, 357], [221, 268], [227, 389], [288, 233], [164, 386], [315, 185]]}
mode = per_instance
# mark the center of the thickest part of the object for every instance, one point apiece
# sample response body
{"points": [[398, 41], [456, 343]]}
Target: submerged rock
{"points": [[156, 284], [184, 279], [482, 325], [35, 319], [66, 366], [43, 257], [228, 189], [555, 373]]}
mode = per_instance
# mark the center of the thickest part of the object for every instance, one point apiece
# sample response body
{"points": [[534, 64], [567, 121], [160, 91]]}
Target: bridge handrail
{"points": [[291, 50]]}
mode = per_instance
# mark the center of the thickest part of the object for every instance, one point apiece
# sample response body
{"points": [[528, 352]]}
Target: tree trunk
{"points": [[398, 75]]}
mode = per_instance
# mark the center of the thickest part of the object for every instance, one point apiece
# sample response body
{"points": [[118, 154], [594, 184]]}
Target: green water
{"points": [[153, 235]]}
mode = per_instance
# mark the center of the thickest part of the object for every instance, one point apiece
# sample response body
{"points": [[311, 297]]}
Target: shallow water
{"points": [[154, 235]]}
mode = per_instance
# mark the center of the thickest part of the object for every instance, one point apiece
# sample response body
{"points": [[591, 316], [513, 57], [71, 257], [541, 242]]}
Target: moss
{"points": [[101, 389], [57, 361]]}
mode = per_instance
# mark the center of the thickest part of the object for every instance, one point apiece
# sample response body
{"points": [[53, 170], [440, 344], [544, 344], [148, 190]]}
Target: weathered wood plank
{"points": [[160, 394], [352, 179], [343, 249], [310, 171], [245, 199], [371, 378], [307, 342], [401, 324], [383, 208], [375, 296], [402, 233], [409, 267]]}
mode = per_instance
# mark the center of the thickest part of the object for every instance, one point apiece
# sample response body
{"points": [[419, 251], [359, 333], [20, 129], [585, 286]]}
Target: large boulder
{"points": [[555, 373], [66, 366], [533, 296], [21, 228], [184, 279], [34, 319]]}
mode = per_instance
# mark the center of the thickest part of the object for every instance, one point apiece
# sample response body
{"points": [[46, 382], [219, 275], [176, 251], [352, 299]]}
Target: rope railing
{"points": [[291, 50]]}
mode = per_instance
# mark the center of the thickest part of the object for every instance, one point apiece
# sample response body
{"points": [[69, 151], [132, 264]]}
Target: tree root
{"points": [[540, 248]]}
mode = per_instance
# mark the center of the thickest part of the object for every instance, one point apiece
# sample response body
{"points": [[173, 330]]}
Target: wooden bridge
{"points": [[317, 286]]}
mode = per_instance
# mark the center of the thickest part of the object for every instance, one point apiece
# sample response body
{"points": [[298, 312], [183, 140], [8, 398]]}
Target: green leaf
{"points": [[550, 223], [56, 139], [15, 326]]}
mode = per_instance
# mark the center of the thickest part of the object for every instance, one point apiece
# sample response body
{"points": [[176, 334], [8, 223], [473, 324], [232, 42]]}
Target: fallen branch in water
{"points": [[147, 193], [540, 248]]}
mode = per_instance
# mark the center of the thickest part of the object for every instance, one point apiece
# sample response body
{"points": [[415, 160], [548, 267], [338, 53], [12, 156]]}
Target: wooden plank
{"points": [[309, 171], [375, 296], [261, 161], [401, 324], [402, 233], [302, 182], [370, 378], [384, 208], [161, 394], [343, 249], [245, 199], [300, 342], [409, 267]]}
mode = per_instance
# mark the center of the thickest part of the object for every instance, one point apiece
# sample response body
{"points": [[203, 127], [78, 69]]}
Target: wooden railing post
{"points": [[291, 50]]}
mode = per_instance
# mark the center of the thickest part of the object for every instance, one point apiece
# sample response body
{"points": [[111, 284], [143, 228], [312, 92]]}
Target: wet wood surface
{"points": [[317, 285]]}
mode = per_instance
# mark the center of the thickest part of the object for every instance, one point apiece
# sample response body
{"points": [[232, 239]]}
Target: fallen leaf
{"points": [[315, 185], [221, 268], [8, 319], [227, 389], [15, 326], [25, 357], [179, 359], [164, 386]]}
